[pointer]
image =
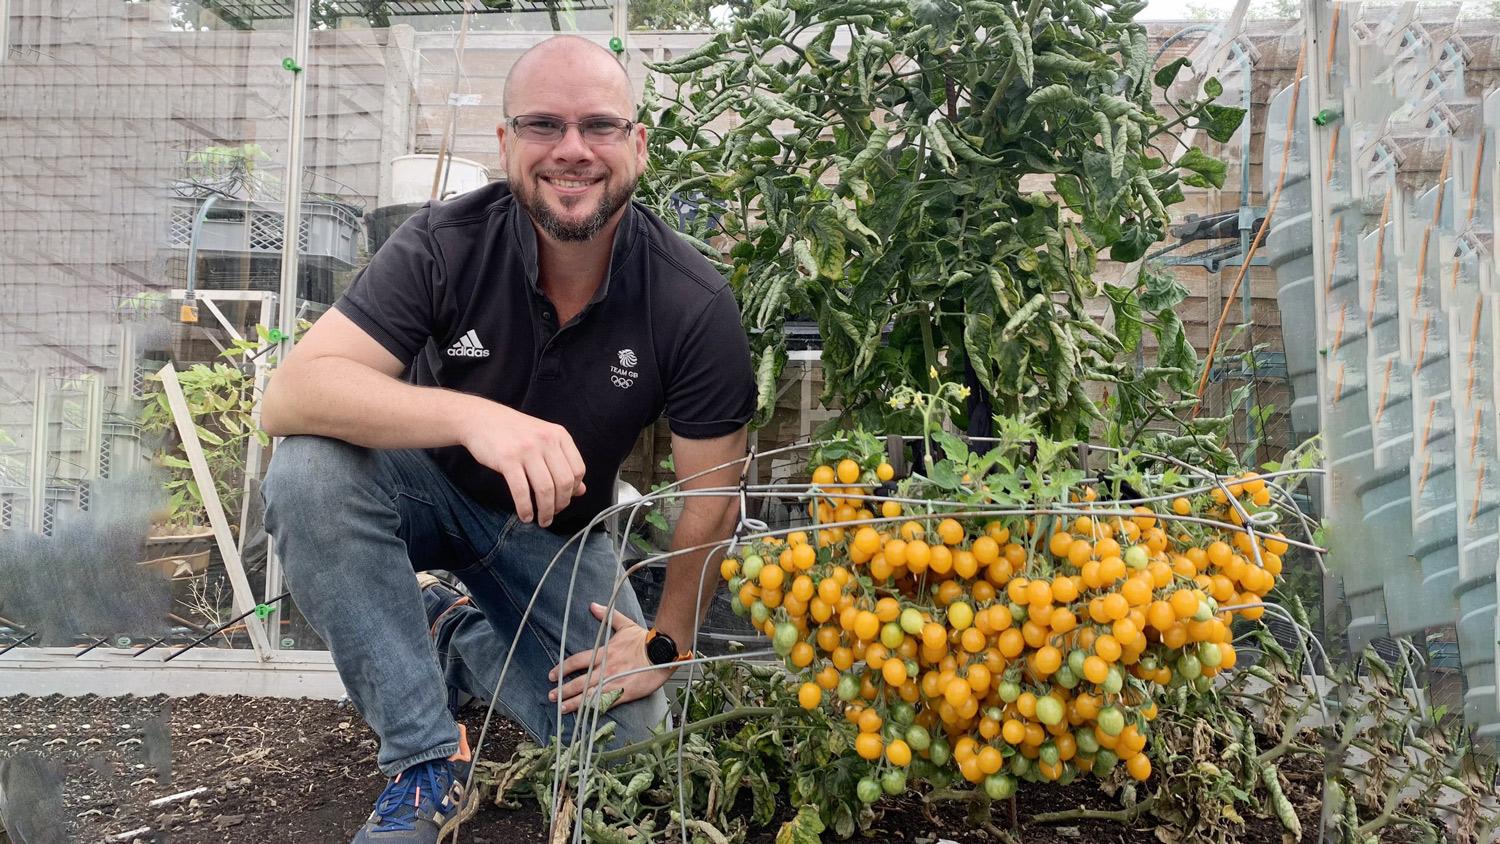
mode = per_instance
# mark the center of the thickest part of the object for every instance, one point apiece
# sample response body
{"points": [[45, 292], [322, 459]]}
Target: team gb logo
{"points": [[624, 375]]}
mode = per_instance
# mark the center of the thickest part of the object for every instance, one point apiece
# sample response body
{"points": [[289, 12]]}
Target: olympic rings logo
{"points": [[622, 383]]}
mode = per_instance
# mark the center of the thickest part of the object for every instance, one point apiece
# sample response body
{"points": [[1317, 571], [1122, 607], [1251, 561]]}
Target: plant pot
{"points": [[188, 542], [179, 556], [179, 566]]}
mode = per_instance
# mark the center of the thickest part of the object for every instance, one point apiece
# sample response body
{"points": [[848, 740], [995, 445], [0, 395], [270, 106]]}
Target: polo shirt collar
{"points": [[525, 234]]}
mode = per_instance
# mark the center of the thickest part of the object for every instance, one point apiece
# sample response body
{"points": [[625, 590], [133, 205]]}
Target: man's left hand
{"points": [[626, 651]]}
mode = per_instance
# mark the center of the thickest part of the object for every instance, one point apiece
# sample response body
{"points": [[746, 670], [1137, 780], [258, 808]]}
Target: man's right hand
{"points": [[537, 459]]}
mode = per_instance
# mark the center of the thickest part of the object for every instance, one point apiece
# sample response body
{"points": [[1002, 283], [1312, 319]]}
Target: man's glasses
{"points": [[595, 130]]}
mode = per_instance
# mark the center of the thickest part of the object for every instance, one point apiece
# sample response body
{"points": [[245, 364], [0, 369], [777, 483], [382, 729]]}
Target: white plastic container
{"points": [[411, 178]]}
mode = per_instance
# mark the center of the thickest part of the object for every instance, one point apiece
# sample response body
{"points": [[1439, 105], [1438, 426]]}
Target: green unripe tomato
{"points": [[995, 713], [848, 688], [1111, 721], [911, 621], [738, 608], [1069, 773], [1210, 655], [939, 752], [1076, 658], [1189, 667], [1009, 690], [891, 635], [1066, 678], [999, 787], [1205, 611], [753, 565], [734, 587], [893, 782], [784, 637], [1136, 557], [1049, 710], [1018, 614], [760, 613], [1114, 681], [1088, 743], [1049, 754], [1202, 684], [1020, 765], [868, 790], [1104, 762], [918, 738], [902, 712]]}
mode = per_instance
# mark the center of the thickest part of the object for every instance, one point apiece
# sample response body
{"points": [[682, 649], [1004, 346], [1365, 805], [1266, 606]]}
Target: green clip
{"points": [[275, 335], [263, 611], [290, 63], [617, 45], [1326, 116]]}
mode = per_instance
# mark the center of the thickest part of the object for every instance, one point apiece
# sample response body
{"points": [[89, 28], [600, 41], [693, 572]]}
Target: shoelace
{"points": [[400, 804]]}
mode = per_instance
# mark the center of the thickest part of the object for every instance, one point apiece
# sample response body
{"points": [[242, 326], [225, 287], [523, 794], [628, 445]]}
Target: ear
{"points": [[641, 148], [500, 137]]}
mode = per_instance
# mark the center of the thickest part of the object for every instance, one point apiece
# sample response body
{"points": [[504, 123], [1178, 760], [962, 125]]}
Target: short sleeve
{"points": [[396, 298], [712, 391]]}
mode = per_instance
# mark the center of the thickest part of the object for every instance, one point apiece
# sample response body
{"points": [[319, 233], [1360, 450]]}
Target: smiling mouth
{"points": [[570, 184]]}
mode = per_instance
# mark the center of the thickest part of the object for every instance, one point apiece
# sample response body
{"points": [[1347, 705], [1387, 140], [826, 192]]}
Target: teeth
{"points": [[570, 183]]}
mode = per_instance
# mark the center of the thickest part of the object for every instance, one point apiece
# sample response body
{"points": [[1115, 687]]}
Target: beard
{"points": [[568, 229]]}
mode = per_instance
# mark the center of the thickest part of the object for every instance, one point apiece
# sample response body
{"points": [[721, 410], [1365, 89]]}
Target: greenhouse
{"points": [[933, 421]]}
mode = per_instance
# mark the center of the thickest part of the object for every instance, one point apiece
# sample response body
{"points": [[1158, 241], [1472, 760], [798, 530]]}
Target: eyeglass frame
{"points": [[623, 130]]}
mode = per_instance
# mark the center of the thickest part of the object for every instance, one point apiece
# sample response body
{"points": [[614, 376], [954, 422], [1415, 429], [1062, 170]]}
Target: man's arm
{"points": [[704, 520], [340, 382]]}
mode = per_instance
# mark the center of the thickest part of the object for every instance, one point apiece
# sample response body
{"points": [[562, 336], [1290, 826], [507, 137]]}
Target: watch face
{"points": [[661, 649]]}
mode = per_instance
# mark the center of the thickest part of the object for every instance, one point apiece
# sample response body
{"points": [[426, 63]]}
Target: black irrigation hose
{"points": [[17, 643], [258, 608], [91, 647]]}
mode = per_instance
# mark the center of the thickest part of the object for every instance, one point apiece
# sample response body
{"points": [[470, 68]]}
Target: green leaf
{"points": [[954, 449], [1127, 310], [1220, 122], [827, 241], [1213, 87], [1133, 243], [1161, 290], [1168, 72], [944, 476], [1204, 171], [1071, 190], [209, 436], [806, 828]]}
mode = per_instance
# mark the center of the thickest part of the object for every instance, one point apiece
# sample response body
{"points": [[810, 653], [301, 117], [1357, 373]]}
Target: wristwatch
{"points": [[662, 650]]}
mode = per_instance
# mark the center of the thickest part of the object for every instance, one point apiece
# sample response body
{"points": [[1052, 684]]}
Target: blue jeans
{"points": [[351, 524]]}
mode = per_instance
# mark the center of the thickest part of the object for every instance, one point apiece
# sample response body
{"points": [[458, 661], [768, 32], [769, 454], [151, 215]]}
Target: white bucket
{"points": [[411, 177]]}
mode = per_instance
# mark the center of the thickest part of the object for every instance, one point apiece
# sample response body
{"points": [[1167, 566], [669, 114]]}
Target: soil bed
{"points": [[304, 771]]}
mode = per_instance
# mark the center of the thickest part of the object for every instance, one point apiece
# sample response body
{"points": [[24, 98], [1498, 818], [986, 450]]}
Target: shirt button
{"points": [[546, 315]]}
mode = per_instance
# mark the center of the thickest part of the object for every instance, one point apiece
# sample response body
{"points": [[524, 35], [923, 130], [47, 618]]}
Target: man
{"points": [[541, 324]]}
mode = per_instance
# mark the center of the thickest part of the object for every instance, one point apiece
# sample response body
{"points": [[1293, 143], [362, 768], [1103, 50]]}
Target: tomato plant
{"points": [[938, 195], [994, 619]]}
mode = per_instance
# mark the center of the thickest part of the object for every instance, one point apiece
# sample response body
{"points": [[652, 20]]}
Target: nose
{"points": [[572, 145]]}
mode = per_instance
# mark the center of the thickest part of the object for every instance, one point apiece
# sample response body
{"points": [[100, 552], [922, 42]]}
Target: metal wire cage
{"points": [[578, 752]]}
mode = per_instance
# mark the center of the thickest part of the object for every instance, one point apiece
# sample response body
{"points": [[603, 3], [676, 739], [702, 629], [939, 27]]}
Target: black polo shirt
{"points": [[454, 295]]}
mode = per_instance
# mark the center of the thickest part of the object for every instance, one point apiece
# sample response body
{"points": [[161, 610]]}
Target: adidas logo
{"points": [[468, 346]]}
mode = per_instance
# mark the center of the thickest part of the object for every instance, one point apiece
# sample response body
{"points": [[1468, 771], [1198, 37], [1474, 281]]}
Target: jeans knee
{"points": [[308, 474]]}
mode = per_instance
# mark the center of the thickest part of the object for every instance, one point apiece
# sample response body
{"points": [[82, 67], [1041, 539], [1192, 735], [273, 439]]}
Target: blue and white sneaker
{"points": [[422, 803]]}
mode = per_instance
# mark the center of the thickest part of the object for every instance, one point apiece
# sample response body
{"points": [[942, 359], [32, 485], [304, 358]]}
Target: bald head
{"points": [[580, 62]]}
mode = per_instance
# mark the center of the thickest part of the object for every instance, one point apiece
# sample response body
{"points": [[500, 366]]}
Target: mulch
{"points": [[297, 770]]}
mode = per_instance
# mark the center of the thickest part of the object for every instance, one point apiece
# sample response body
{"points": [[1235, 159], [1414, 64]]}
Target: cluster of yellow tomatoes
{"points": [[1031, 647]]}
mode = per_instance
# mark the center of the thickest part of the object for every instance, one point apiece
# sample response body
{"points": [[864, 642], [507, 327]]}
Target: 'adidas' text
{"points": [[468, 346]]}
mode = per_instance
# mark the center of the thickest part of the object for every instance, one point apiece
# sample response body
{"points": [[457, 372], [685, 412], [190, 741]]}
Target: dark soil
{"points": [[277, 770]]}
